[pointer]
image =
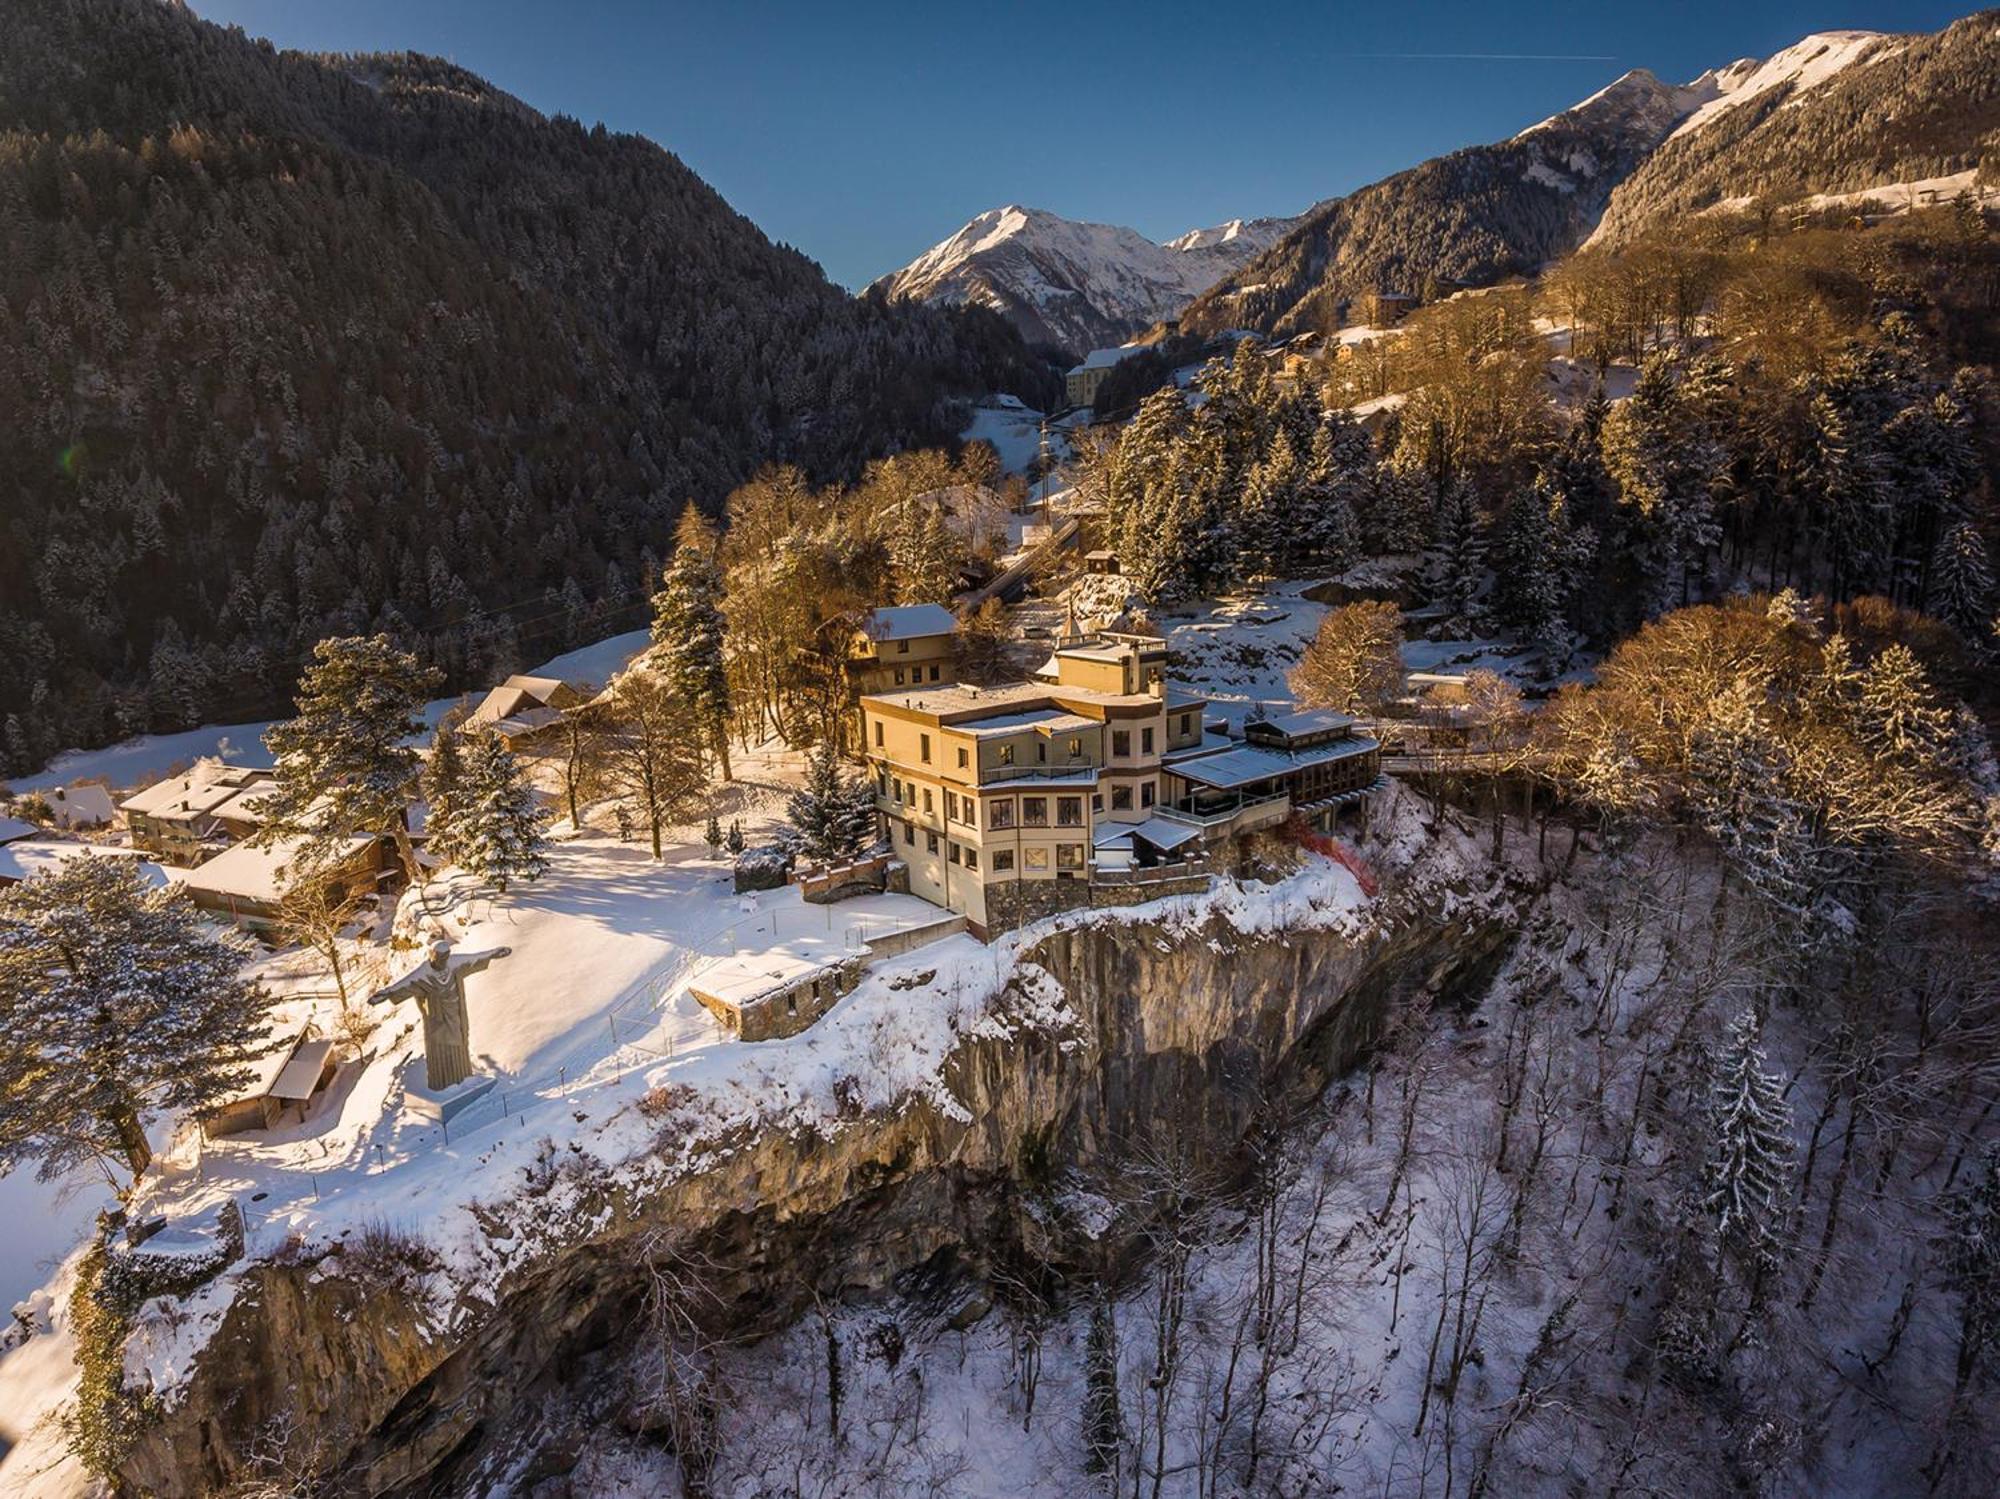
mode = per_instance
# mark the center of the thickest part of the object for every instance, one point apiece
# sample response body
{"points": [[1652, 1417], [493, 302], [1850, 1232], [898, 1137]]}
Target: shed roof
{"points": [[300, 1075], [1305, 721], [1165, 835], [12, 828]]}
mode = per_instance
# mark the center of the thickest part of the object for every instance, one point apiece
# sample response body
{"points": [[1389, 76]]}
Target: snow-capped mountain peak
{"points": [[1073, 284]]}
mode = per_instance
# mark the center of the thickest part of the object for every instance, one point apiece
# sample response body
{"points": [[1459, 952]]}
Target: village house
{"points": [[904, 645], [1081, 383], [994, 798], [524, 707], [83, 805], [24, 858], [247, 883], [188, 818]]}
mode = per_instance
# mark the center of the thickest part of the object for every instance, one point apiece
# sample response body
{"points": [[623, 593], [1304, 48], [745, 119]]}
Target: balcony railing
{"points": [[1213, 811]]}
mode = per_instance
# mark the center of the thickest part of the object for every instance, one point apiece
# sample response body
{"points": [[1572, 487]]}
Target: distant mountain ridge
{"points": [[1836, 113], [1072, 285]]}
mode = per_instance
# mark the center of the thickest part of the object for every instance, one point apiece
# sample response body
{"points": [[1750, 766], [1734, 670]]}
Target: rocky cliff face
{"points": [[1163, 1027]]}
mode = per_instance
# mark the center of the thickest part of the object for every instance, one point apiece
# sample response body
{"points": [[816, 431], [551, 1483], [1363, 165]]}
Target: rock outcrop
{"points": [[1164, 1029]]}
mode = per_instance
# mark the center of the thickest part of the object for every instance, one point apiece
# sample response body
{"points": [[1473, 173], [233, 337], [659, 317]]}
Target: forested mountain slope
{"points": [[1471, 217], [1836, 113], [295, 345], [1913, 109]]}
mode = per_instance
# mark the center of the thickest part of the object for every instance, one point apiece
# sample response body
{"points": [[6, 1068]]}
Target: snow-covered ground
{"points": [[145, 758]]}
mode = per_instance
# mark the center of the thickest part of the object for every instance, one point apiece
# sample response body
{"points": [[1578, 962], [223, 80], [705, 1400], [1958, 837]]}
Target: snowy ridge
{"points": [[1074, 284], [1804, 65]]}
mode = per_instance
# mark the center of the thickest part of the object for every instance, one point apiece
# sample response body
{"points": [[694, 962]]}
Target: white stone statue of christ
{"points": [[438, 986]]}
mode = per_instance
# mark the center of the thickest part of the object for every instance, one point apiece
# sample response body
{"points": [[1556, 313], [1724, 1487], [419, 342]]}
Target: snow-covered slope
{"points": [[1077, 285], [1804, 65]]}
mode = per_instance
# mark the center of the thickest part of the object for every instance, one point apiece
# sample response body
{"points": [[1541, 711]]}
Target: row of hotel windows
{"points": [[1034, 857], [916, 676], [1006, 751], [1000, 810]]}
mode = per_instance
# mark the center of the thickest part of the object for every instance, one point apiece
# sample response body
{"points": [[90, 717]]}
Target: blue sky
{"points": [[863, 133]]}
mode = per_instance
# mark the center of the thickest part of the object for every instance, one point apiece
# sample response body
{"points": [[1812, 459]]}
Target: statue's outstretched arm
{"points": [[472, 962]]}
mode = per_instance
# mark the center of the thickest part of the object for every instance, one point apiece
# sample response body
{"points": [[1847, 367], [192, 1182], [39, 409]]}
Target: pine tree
{"points": [[497, 833], [345, 766], [687, 647], [1961, 583], [1457, 561], [115, 1000], [712, 836], [832, 815], [1739, 768], [926, 557], [1748, 1175], [735, 842], [1661, 451], [444, 791]]}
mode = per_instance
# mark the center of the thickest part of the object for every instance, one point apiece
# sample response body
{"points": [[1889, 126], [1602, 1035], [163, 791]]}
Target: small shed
{"points": [[287, 1075], [1101, 562]]}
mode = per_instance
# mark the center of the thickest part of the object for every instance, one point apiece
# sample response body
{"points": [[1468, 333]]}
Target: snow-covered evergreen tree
{"points": [[115, 1000], [1961, 583], [833, 814], [712, 836], [1739, 766], [497, 833], [1748, 1174], [1456, 564], [687, 649], [344, 763], [1661, 450], [444, 790], [925, 555], [1540, 559]]}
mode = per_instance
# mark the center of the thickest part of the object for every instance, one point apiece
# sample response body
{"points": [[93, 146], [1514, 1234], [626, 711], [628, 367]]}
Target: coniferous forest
{"points": [[294, 346]]}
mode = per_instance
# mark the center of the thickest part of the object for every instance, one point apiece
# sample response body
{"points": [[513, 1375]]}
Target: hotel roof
{"points": [[909, 622], [1234, 768]]}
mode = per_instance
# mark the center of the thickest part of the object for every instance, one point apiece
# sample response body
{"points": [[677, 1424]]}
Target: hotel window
{"points": [[971, 858], [951, 806], [957, 854], [1097, 801], [1003, 861], [930, 843], [899, 676], [1146, 741], [878, 733], [1187, 722], [928, 803], [968, 811], [1042, 750], [1069, 856], [909, 832], [1036, 858], [1000, 814], [934, 673], [1075, 749], [1121, 798], [1006, 754], [1069, 811], [1035, 811], [1121, 742], [924, 748], [961, 757], [902, 647], [897, 783], [1146, 794]]}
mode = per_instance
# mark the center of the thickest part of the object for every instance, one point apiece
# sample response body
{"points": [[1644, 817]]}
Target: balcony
{"points": [[1238, 812]]}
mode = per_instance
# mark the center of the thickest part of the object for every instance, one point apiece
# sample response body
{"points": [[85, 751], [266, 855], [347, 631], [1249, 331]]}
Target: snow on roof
{"points": [[1052, 720], [1306, 721], [32, 856], [201, 790], [80, 806], [909, 622], [249, 872], [12, 828], [1103, 359], [1245, 766], [265, 1071], [1165, 835], [1180, 697], [301, 1072]]}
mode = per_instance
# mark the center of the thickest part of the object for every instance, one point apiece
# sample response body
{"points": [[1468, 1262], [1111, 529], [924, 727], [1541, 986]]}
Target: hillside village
{"points": [[1383, 887]]}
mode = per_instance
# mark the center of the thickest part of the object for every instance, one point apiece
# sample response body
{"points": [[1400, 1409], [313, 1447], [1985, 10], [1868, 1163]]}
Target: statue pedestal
{"points": [[442, 1105]]}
